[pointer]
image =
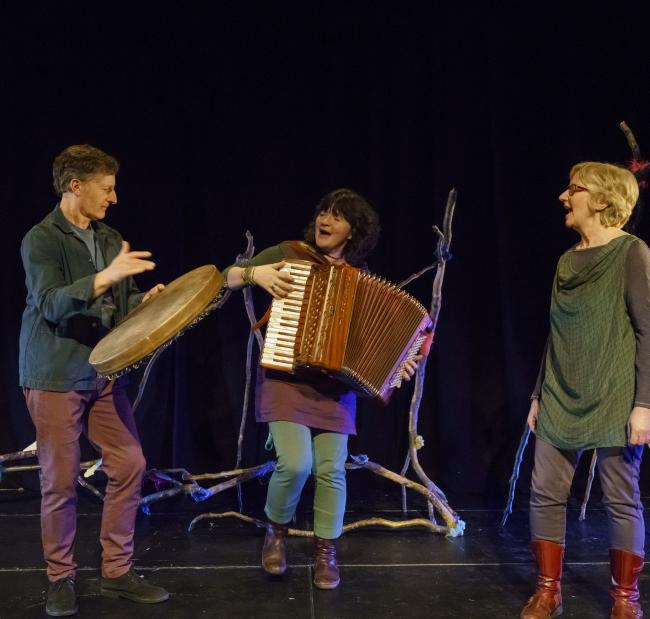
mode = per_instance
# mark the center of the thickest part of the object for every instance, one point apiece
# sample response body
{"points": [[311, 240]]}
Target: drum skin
{"points": [[158, 320]]}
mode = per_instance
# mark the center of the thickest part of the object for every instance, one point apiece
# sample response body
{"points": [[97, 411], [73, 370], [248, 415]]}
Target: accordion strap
{"points": [[300, 250], [297, 250], [262, 321]]}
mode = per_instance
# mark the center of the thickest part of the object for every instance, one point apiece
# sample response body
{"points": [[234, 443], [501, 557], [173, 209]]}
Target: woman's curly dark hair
{"points": [[363, 220]]}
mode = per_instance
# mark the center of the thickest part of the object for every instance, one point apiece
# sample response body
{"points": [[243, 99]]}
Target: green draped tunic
{"points": [[589, 374]]}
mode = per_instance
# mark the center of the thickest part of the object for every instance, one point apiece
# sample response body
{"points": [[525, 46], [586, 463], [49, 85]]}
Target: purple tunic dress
{"points": [[321, 403]]}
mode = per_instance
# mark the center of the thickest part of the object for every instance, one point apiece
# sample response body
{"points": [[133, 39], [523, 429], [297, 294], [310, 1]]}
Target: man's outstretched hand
{"points": [[125, 264]]}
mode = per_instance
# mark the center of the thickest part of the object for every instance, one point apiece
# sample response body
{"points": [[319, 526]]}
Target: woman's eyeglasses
{"points": [[573, 188]]}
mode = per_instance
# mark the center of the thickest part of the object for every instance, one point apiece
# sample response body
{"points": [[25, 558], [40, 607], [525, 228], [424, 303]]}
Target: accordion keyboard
{"points": [[283, 326]]}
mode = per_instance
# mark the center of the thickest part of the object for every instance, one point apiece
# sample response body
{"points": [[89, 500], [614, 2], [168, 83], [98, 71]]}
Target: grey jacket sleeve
{"points": [[637, 298]]}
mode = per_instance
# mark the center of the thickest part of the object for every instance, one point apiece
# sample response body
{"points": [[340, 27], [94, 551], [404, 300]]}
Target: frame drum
{"points": [[157, 321]]}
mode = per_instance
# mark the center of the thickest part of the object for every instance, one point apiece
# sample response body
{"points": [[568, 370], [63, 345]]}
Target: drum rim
{"points": [[162, 334]]}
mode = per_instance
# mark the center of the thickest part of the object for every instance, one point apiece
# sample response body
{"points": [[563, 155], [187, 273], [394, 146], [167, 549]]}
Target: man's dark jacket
{"points": [[62, 322]]}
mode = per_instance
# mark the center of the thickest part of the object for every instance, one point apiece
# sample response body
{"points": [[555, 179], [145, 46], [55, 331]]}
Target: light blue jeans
{"points": [[299, 454]]}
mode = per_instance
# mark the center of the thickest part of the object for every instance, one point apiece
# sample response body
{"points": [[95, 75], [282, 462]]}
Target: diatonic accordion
{"points": [[347, 323]]}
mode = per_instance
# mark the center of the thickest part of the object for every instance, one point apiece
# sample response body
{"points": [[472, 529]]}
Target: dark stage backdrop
{"points": [[227, 119]]}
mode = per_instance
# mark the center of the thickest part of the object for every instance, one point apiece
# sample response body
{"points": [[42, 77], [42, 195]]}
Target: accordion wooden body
{"points": [[347, 323]]}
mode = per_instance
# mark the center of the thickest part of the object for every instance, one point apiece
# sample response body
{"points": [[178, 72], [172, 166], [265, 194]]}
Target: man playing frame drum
{"points": [[79, 277]]}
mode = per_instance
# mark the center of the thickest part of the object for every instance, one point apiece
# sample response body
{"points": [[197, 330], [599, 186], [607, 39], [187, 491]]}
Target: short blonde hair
{"points": [[611, 185]]}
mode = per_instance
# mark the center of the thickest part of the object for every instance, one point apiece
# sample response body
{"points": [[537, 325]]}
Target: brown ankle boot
{"points": [[625, 567], [546, 602], [274, 552], [326, 572]]}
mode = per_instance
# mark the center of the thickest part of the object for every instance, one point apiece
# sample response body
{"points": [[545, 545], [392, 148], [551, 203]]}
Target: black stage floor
{"points": [[214, 570]]}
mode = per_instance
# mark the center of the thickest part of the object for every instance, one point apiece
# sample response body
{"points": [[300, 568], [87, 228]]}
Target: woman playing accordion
{"points": [[309, 417]]}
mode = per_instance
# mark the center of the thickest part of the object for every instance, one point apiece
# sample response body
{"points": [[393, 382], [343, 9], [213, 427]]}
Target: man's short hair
{"points": [[82, 162]]}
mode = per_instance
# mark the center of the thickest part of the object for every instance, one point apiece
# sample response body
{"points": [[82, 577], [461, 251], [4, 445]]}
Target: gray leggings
{"points": [[618, 468]]}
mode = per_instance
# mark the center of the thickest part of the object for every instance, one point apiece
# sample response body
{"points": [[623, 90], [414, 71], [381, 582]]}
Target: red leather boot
{"points": [[546, 602], [625, 567]]}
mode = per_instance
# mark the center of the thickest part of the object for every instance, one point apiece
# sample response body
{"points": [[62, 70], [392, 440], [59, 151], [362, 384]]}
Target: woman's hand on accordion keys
{"points": [[275, 282], [410, 368]]}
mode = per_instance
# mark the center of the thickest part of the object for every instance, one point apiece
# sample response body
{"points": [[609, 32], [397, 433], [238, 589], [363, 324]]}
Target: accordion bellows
{"points": [[345, 322]]}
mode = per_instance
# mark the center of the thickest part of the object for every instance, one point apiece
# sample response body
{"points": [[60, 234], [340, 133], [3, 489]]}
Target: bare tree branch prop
{"points": [[196, 491], [145, 377], [415, 440], [230, 514], [414, 276], [19, 469], [396, 524], [18, 455], [250, 312], [35, 467], [405, 468], [590, 481], [455, 526], [88, 486], [264, 468], [515, 474], [641, 170], [258, 471], [248, 295], [244, 414], [31, 453], [368, 522], [164, 494], [164, 476], [631, 140]]}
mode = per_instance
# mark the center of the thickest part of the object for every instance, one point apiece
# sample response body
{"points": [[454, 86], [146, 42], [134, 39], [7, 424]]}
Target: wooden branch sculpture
{"points": [[415, 440]]}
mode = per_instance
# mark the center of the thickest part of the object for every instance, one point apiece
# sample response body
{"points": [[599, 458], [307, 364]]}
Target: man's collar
{"points": [[60, 220]]}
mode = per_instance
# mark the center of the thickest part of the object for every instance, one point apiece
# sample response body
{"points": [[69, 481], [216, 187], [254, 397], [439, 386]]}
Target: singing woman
{"points": [[594, 389]]}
